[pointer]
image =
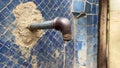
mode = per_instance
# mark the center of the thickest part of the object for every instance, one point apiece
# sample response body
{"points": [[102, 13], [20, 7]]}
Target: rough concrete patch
{"points": [[26, 13]]}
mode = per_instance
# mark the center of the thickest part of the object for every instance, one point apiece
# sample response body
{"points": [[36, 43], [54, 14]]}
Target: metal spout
{"points": [[59, 23]]}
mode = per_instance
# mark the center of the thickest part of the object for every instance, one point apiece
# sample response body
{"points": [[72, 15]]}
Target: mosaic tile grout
{"points": [[6, 6], [52, 38]]}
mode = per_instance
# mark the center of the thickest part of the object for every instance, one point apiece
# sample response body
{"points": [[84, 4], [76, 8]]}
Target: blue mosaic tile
{"points": [[21, 60], [81, 21], [49, 50], [89, 30], [94, 1], [8, 44], [40, 8], [90, 50], [41, 58], [11, 18], [30, 66], [4, 50], [94, 8], [34, 52], [15, 2], [78, 46], [53, 32], [52, 48], [24, 1], [12, 27], [97, 1], [25, 64], [95, 49], [46, 9], [12, 39], [70, 44], [90, 0], [60, 65], [60, 40], [95, 21], [2, 5], [38, 1], [5, 12], [14, 49], [17, 66], [1, 17], [11, 7], [78, 6], [97, 9], [1, 45], [10, 63], [5, 23], [1, 65], [95, 30], [42, 52], [80, 37], [53, 1], [8, 34], [37, 47], [43, 4], [10, 53], [2, 30], [2, 42], [90, 41], [80, 29], [51, 58], [89, 19], [5, 1], [15, 46], [88, 8], [77, 56], [3, 59]]}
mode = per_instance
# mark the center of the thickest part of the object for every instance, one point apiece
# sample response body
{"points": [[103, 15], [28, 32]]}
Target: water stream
{"points": [[64, 52]]}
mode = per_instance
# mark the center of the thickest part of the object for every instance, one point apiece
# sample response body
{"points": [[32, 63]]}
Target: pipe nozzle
{"points": [[59, 23]]}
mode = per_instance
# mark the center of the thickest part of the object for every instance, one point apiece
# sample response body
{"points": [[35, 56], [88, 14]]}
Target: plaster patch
{"points": [[26, 13]]}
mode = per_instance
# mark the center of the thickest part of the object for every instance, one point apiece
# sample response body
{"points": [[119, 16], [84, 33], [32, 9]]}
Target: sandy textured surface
{"points": [[26, 14], [114, 48], [114, 39]]}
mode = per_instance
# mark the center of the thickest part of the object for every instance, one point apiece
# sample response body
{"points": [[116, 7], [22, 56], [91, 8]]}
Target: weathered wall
{"points": [[114, 47], [86, 33], [50, 51]]}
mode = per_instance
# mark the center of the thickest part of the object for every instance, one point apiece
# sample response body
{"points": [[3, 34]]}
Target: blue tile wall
{"points": [[78, 6], [86, 33], [82, 49], [45, 48]]}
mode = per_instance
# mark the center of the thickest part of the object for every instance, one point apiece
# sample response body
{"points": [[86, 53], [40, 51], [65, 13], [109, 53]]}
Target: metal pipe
{"points": [[43, 25], [59, 23]]}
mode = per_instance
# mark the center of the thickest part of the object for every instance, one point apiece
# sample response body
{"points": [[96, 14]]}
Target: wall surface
{"points": [[114, 34], [51, 51], [86, 33]]}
